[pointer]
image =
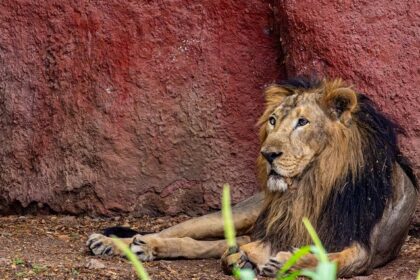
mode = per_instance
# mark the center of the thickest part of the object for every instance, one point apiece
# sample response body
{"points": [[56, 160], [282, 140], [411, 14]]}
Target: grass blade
{"points": [[227, 217], [327, 270], [245, 274], [310, 274], [229, 228], [299, 253], [140, 271], [320, 249], [292, 276]]}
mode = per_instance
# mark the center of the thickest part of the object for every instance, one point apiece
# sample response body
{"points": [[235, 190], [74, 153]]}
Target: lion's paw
{"points": [[100, 245], [239, 260], [271, 268], [140, 247]]}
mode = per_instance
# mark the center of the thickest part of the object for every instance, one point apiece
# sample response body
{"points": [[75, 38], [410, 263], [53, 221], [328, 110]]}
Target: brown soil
{"points": [[53, 247]]}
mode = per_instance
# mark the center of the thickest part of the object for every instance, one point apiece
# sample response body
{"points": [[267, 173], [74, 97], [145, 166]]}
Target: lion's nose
{"points": [[271, 156]]}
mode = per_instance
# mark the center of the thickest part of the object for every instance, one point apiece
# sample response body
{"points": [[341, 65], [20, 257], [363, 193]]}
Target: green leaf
{"points": [[227, 217], [321, 253], [292, 276], [310, 274], [315, 250], [246, 274], [326, 270], [298, 254], [140, 271]]}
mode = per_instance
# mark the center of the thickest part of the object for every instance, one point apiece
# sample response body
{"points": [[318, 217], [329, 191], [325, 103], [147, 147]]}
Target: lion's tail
{"points": [[120, 232], [123, 232]]}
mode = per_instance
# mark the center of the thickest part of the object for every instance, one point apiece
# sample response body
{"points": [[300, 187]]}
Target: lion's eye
{"points": [[302, 122], [272, 121]]}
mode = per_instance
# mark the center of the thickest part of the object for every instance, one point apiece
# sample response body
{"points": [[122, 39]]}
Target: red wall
{"points": [[143, 106], [150, 106]]}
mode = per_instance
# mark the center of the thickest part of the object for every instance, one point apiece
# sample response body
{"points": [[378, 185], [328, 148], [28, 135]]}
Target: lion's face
{"points": [[296, 129]]}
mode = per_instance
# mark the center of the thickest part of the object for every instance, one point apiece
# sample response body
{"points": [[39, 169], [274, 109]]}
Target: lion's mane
{"points": [[344, 190]]}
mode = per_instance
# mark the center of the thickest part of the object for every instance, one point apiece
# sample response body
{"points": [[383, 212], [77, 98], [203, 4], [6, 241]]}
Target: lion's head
{"points": [[297, 126]]}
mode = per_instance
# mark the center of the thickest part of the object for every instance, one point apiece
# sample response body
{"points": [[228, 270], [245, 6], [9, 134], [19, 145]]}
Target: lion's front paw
{"points": [[141, 248], [271, 268], [100, 245], [238, 259]]}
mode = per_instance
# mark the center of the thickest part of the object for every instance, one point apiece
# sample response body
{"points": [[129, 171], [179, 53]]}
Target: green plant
{"points": [[138, 267], [242, 274], [74, 235], [227, 218], [18, 261], [75, 272], [325, 270], [36, 268]]}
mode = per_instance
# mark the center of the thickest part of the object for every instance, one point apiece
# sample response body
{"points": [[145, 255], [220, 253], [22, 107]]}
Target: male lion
{"points": [[327, 154]]}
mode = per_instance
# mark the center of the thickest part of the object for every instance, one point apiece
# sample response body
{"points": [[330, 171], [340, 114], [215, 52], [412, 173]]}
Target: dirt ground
{"points": [[53, 247]]}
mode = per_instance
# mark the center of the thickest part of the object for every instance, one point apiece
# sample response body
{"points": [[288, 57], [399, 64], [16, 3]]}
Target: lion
{"points": [[326, 154]]}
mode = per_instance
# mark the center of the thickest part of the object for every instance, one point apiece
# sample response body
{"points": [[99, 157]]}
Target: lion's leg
{"points": [[244, 213], [351, 261], [208, 226], [390, 233], [151, 247], [257, 255]]}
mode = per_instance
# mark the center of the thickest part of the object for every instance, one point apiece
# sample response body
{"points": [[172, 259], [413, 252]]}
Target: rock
{"points": [[105, 105], [94, 264]]}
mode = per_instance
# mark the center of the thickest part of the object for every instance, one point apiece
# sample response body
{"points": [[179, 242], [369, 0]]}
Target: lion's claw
{"points": [[270, 269], [141, 248], [100, 245]]}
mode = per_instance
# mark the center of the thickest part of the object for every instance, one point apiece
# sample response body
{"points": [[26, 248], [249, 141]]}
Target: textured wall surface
{"points": [[373, 44], [143, 106], [150, 106]]}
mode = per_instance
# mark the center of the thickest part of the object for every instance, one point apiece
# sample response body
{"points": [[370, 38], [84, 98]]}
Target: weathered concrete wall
{"points": [[149, 106], [144, 106], [372, 44]]}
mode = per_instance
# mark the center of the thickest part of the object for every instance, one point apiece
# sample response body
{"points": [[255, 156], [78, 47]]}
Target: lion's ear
{"points": [[340, 103], [275, 94]]}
